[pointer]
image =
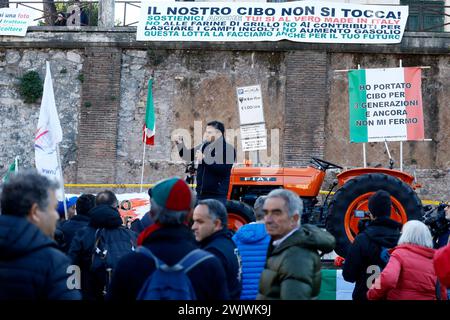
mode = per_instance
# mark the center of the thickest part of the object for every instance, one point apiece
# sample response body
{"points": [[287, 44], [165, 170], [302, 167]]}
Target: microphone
{"points": [[200, 148]]}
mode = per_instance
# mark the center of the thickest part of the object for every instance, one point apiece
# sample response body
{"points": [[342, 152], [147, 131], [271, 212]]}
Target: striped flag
{"points": [[148, 136], [385, 105], [334, 287]]}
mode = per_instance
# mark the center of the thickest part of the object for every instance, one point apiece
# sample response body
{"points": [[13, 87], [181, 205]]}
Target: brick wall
{"points": [[306, 98], [100, 99]]}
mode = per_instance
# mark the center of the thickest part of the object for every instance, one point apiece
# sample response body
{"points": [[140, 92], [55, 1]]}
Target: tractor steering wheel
{"points": [[325, 165]]}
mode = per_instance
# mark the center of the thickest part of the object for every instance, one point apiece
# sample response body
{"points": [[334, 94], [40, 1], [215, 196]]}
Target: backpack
{"points": [[105, 258], [171, 282]]}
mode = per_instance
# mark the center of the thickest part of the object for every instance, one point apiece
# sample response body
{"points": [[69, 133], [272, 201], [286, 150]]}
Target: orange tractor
{"points": [[340, 214]]}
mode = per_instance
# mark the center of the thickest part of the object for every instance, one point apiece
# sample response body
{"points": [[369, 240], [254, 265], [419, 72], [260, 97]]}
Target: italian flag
{"points": [[385, 105], [334, 287], [13, 169], [148, 136]]}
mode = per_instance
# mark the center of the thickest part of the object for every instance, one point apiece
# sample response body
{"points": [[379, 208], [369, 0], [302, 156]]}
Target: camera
{"points": [[435, 219], [191, 170]]}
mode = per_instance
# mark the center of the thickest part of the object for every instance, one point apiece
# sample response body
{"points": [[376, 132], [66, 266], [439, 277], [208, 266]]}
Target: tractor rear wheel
{"points": [[239, 214], [354, 195]]}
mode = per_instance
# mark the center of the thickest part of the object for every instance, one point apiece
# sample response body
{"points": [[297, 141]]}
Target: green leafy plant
{"points": [[81, 77], [30, 87], [88, 104]]}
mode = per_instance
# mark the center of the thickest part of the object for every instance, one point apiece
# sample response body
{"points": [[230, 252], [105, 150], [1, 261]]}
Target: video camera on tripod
{"points": [[435, 219]]}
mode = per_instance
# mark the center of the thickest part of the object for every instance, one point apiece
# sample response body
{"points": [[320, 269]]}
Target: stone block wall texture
{"points": [[18, 120], [101, 96], [97, 139], [191, 88], [306, 97]]}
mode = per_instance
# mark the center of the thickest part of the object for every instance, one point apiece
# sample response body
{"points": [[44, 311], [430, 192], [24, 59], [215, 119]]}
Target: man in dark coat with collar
{"points": [[365, 253], [214, 158], [104, 232], [211, 231], [31, 266], [169, 239]]}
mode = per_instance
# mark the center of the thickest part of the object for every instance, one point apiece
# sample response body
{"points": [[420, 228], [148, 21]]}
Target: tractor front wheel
{"points": [[354, 196], [239, 214]]}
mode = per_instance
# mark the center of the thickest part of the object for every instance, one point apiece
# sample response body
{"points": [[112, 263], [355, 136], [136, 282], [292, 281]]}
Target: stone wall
{"points": [[305, 102], [191, 88], [19, 120]]}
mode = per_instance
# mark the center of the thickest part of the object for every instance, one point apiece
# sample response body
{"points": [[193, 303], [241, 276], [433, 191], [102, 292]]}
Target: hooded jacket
{"points": [[118, 241], [252, 242], [409, 275], [69, 229], [292, 270], [221, 245], [170, 244], [442, 265], [365, 251], [31, 268]]}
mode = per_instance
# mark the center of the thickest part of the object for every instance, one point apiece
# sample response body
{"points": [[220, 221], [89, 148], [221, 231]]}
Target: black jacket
{"points": [[140, 225], [69, 228], [365, 251], [222, 246], [119, 239], [31, 268], [170, 244], [213, 173]]}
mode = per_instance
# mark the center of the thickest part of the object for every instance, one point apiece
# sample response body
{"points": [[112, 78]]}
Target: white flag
{"points": [[48, 134]]}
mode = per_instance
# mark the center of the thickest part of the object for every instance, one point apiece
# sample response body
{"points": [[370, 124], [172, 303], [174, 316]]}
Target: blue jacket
{"points": [[252, 241], [31, 268]]}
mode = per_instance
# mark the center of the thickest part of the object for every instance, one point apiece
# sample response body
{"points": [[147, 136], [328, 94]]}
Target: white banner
{"points": [[48, 134], [300, 21], [250, 104], [253, 131], [15, 21], [254, 144]]}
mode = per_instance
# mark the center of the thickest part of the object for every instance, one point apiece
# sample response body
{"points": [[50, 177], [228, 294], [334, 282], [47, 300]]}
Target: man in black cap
{"points": [[364, 256]]}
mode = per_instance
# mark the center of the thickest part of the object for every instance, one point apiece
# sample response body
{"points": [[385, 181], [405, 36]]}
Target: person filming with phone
{"points": [[213, 160]]}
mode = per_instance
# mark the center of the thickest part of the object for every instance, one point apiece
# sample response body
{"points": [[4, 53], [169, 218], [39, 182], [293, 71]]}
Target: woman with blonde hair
{"points": [[409, 274]]}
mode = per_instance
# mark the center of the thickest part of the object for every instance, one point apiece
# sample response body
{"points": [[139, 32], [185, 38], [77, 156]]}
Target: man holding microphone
{"points": [[214, 159]]}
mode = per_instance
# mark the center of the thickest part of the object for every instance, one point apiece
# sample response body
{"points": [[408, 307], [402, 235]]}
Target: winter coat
{"points": [[442, 265], [409, 275], [70, 227], [31, 266], [213, 173], [252, 242], [221, 245], [119, 241], [170, 244], [292, 270], [140, 225], [366, 250]]}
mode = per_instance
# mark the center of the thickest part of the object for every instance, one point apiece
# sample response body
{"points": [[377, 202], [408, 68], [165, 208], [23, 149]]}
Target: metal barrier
{"points": [[149, 185]]}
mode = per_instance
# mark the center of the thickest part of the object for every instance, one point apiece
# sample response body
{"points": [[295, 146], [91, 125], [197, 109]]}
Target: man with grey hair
{"points": [[31, 266], [292, 270], [211, 231], [252, 242], [168, 240]]}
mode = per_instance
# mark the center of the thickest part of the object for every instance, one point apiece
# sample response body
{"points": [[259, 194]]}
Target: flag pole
{"points": [[62, 181], [143, 161]]}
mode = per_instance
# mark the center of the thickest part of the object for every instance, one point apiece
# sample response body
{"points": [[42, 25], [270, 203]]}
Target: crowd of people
{"points": [[187, 252], [182, 249]]}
